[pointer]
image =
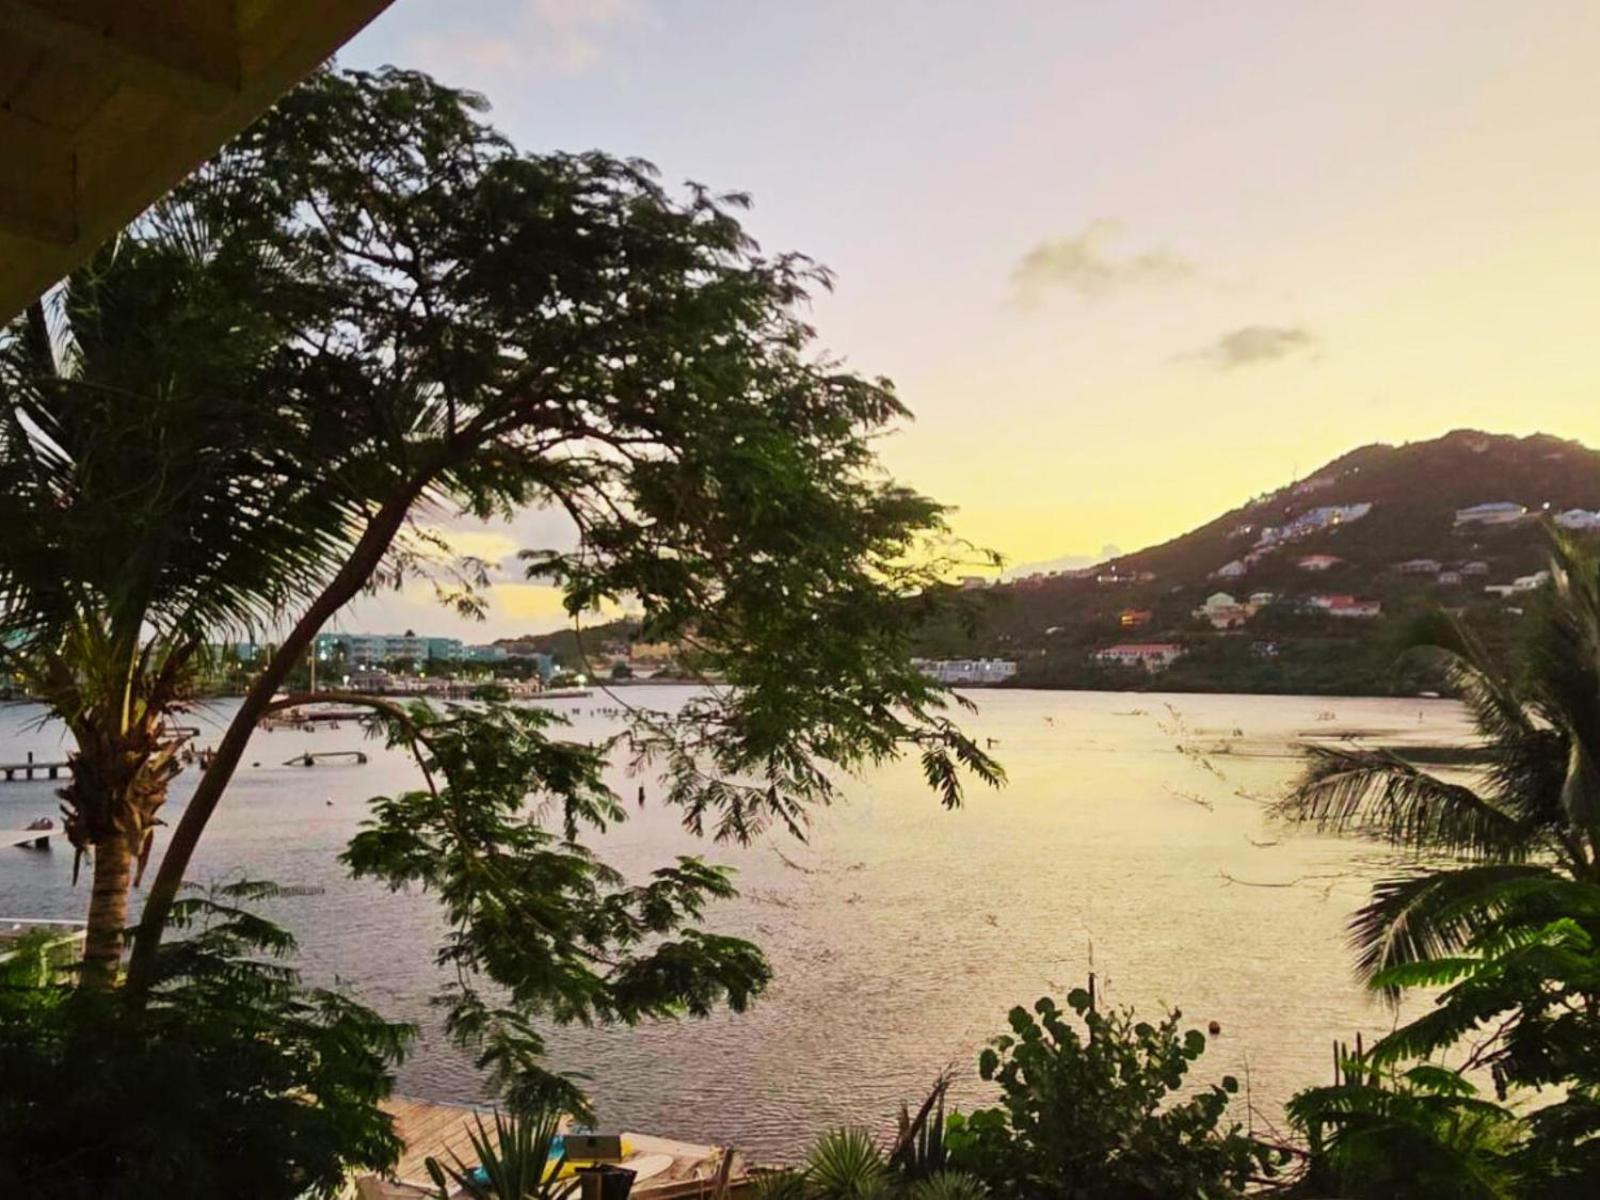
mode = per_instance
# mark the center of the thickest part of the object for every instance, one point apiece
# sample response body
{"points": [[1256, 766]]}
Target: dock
{"points": [[25, 770], [39, 839], [667, 1169], [310, 759]]}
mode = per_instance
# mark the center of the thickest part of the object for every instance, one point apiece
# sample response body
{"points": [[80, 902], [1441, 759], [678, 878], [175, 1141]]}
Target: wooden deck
{"points": [[438, 1130], [25, 770]]}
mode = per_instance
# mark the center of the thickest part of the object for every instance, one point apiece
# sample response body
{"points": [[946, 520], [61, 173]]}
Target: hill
{"points": [[1323, 574]]}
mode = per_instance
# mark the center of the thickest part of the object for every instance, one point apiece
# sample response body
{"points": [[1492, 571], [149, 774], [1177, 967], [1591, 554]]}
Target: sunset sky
{"points": [[1129, 263]]}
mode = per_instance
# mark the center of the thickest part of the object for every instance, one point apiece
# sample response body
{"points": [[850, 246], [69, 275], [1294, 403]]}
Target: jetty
{"points": [[665, 1169], [25, 770], [310, 759], [37, 836]]}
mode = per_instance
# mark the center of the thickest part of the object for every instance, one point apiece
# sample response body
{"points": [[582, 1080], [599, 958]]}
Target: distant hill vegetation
{"points": [[1294, 628]]}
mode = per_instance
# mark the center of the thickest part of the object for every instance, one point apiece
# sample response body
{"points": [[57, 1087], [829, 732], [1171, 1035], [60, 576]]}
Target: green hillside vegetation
{"points": [[1051, 626]]}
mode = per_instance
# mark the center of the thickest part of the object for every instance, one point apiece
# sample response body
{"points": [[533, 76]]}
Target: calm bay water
{"points": [[1130, 841]]}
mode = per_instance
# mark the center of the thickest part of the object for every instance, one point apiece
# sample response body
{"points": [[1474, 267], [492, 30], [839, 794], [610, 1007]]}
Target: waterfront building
{"points": [[966, 670], [1151, 656], [1498, 512]]}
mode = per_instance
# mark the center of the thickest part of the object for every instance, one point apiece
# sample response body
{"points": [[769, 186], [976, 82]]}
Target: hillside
{"points": [[1294, 628]]}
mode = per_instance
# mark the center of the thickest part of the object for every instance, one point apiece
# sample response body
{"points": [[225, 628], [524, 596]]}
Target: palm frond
{"points": [[1377, 794], [1433, 916]]}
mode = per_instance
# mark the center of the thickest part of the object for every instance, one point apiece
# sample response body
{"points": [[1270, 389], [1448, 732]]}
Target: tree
{"points": [[1526, 823], [151, 501], [455, 325]]}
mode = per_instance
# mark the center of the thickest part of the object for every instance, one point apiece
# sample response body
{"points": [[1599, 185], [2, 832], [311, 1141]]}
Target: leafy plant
{"points": [[948, 1185], [846, 1164], [1422, 1133], [515, 1162], [919, 1148], [229, 1078], [1090, 1114]]}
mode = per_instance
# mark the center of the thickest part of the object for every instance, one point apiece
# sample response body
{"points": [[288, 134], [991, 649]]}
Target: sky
{"points": [[1130, 262]]}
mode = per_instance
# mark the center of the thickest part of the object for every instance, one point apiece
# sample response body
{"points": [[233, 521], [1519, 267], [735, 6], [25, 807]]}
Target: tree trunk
{"points": [[108, 912]]}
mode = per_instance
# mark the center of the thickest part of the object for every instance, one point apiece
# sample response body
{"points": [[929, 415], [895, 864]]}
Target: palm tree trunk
{"points": [[108, 912]]}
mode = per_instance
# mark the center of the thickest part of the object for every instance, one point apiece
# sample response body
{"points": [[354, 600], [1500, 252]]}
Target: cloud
{"points": [[1086, 264], [561, 37], [1251, 344]]}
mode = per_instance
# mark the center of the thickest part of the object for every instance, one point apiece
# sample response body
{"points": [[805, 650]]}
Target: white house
{"points": [[1231, 570], [1318, 562], [1578, 518], [1498, 512], [1346, 606], [1419, 566], [1152, 656], [966, 670], [1222, 611]]}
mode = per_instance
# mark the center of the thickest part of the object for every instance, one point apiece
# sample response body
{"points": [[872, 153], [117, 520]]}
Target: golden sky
{"points": [[1129, 263]]}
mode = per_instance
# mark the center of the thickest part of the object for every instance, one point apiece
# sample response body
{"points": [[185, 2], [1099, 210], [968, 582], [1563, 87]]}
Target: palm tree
{"points": [[1521, 823], [152, 504]]}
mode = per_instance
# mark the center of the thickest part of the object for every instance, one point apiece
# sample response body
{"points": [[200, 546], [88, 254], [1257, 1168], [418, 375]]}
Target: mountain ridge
{"points": [[1370, 509]]}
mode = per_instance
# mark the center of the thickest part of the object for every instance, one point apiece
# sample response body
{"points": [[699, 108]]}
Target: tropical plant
{"points": [[948, 1185], [1526, 817], [517, 1161], [1091, 1115], [1421, 1133], [226, 1078], [846, 1164], [919, 1146], [151, 502]]}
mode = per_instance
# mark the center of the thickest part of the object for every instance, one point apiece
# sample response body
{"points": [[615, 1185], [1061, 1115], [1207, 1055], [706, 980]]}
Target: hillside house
{"points": [[1345, 606], [1419, 566], [1315, 520], [1448, 579], [1476, 567], [1222, 611], [966, 670], [1151, 656], [1318, 562], [1578, 518], [1498, 512], [1135, 618], [1259, 600], [1230, 570]]}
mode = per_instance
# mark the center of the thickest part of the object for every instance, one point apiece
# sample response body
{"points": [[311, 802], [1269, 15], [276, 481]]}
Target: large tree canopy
{"points": [[373, 312]]}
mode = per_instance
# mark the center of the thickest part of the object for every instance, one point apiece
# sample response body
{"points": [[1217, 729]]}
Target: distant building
{"points": [[1152, 656], [1419, 566], [1314, 520], [1499, 512], [1448, 579], [372, 649], [1231, 570], [1474, 568], [1262, 599], [1318, 562], [966, 670], [1530, 583], [972, 583], [489, 653], [1315, 484], [1346, 606], [1135, 618], [1578, 518], [1222, 611]]}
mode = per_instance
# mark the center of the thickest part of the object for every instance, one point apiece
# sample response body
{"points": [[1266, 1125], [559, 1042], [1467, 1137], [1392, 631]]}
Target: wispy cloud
{"points": [[1087, 264], [1251, 344], [564, 37]]}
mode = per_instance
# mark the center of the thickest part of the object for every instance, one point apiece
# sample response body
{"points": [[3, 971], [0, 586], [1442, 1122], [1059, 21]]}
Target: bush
{"points": [[1087, 1116], [230, 1079]]}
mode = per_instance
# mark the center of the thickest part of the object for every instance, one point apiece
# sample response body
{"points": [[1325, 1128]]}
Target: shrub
{"points": [[1088, 1116]]}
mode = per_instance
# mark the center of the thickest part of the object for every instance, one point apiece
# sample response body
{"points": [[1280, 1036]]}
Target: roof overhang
{"points": [[105, 104]]}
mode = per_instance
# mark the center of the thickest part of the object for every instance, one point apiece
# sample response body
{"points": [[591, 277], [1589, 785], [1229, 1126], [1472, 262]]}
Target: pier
{"points": [[25, 770], [38, 837], [310, 760]]}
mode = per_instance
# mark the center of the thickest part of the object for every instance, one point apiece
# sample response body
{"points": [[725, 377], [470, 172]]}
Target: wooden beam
{"points": [[37, 190], [195, 63]]}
